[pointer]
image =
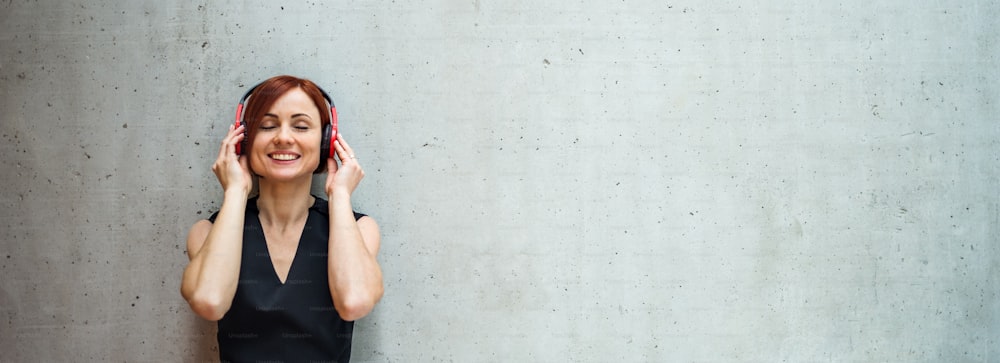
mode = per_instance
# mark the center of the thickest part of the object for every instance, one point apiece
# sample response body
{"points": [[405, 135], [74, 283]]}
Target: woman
{"points": [[284, 273]]}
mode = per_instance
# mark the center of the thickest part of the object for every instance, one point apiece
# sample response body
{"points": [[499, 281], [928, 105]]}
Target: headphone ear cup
{"points": [[326, 144], [239, 122]]}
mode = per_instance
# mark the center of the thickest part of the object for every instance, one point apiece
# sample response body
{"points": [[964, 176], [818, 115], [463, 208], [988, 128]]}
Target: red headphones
{"points": [[329, 132]]}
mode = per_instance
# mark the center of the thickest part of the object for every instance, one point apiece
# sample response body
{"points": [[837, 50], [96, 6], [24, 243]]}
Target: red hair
{"points": [[267, 92]]}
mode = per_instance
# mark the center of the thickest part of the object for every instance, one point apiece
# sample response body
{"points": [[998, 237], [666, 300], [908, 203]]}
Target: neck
{"points": [[284, 203]]}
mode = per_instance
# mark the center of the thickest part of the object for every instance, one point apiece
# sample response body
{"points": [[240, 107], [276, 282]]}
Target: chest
{"points": [[282, 246], [277, 256]]}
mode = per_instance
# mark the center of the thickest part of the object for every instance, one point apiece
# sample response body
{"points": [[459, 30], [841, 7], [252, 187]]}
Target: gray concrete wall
{"points": [[556, 181]]}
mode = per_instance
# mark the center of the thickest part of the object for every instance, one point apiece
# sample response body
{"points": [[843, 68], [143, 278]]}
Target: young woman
{"points": [[284, 273]]}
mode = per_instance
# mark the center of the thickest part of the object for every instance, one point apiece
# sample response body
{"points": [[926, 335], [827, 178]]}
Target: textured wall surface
{"points": [[556, 181]]}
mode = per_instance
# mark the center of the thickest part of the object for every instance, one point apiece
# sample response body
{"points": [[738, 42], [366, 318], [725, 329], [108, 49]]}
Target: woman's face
{"points": [[287, 142]]}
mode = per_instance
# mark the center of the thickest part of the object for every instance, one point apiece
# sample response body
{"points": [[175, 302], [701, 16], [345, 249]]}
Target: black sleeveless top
{"points": [[290, 322]]}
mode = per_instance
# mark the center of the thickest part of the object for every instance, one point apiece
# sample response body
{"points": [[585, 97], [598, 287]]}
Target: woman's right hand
{"points": [[232, 170]]}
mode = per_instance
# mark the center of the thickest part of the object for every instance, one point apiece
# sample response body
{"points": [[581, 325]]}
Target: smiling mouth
{"points": [[284, 157]]}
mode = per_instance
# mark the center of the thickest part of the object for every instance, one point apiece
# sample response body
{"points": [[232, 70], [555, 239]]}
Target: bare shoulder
{"points": [[370, 233], [367, 219], [196, 237]]}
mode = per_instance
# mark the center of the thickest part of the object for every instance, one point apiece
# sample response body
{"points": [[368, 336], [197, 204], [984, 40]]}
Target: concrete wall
{"points": [[556, 181]]}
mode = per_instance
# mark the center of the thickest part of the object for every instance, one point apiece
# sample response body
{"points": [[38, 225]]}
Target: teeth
{"points": [[283, 157]]}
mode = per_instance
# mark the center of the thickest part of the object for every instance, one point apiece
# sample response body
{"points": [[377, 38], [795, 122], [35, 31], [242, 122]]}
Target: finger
{"points": [[343, 143], [225, 144], [237, 139], [344, 150], [331, 166], [341, 152]]}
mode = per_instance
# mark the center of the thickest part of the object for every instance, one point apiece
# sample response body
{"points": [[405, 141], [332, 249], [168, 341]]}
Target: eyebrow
{"points": [[293, 116]]}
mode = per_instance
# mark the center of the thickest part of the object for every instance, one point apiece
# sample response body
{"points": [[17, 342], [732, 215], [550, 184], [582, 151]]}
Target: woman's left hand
{"points": [[344, 178]]}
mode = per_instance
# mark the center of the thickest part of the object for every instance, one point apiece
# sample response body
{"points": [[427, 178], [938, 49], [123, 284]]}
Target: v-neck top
{"points": [[294, 321]]}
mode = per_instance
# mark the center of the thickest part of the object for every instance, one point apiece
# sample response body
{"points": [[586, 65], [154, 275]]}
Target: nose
{"points": [[284, 135]]}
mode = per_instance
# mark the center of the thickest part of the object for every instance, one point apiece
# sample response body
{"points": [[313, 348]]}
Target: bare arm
{"points": [[354, 273], [215, 250]]}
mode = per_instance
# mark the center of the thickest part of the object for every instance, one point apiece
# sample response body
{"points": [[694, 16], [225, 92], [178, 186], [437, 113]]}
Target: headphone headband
{"points": [[250, 91]]}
